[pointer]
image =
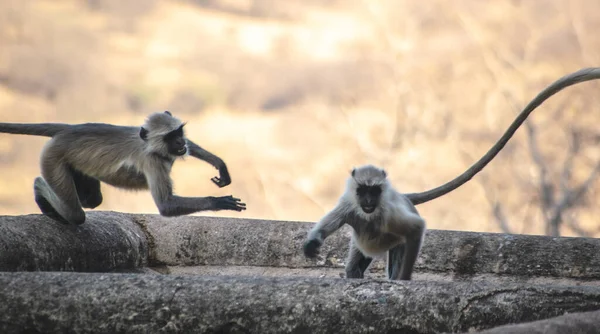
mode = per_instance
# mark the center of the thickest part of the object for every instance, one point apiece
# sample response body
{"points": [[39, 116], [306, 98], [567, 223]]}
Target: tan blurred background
{"points": [[293, 94]]}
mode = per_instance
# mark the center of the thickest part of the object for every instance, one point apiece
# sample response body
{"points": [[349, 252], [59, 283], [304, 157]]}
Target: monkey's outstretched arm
{"points": [[582, 75], [198, 152], [170, 205], [330, 223]]}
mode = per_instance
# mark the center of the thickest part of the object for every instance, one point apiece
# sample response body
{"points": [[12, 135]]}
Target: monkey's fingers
{"points": [[231, 203]]}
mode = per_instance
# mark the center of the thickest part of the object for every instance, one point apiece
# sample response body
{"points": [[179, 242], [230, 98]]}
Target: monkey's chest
{"points": [[374, 243]]}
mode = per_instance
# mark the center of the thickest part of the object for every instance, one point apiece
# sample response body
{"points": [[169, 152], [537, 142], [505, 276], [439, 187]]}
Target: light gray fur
{"points": [[78, 157], [395, 222]]}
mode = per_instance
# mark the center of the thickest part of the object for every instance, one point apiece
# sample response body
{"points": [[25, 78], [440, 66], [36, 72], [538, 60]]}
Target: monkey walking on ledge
{"points": [[386, 221], [80, 156]]}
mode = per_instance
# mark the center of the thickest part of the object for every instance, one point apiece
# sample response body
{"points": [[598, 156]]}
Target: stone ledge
{"points": [[580, 323], [110, 241], [212, 270], [197, 241], [107, 241], [82, 302]]}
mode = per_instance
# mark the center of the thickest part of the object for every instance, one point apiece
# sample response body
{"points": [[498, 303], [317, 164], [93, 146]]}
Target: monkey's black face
{"points": [[368, 197], [176, 142]]}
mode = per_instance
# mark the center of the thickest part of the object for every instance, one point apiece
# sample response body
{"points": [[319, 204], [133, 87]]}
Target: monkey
{"points": [[78, 157], [384, 220]]}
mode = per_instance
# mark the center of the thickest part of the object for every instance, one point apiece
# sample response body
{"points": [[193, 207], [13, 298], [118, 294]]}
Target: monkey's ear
{"points": [[168, 113], [143, 133], [353, 172], [384, 173]]}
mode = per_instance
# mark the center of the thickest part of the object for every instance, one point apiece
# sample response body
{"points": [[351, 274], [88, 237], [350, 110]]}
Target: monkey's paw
{"points": [[311, 248], [229, 203], [221, 181]]}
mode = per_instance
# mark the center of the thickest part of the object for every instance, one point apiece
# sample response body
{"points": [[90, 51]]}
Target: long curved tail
{"points": [[582, 75], [35, 129]]}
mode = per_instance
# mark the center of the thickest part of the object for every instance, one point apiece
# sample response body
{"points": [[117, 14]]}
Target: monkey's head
{"points": [[367, 184], [164, 134]]}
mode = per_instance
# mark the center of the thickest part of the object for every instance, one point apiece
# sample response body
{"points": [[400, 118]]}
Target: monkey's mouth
{"points": [[182, 151], [368, 209]]}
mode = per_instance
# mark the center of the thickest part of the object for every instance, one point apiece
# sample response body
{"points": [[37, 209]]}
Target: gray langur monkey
{"points": [[80, 156], [384, 220]]}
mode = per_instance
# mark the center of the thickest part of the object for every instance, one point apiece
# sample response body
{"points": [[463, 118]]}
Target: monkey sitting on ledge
{"points": [[80, 156]]}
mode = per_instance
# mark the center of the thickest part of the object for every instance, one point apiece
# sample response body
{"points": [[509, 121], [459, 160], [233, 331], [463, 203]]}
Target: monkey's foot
{"points": [[48, 210], [355, 273]]}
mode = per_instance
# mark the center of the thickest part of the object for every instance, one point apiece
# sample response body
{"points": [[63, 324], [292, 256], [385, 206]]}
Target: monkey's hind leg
{"points": [[394, 261], [88, 189], [56, 194], [357, 262], [38, 188]]}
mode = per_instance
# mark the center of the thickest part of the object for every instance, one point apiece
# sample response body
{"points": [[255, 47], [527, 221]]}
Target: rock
{"points": [[580, 323], [197, 241], [106, 241], [136, 303]]}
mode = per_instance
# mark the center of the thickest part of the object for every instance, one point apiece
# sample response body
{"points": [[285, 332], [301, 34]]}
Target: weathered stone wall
{"points": [[195, 241], [110, 303], [463, 282], [107, 241]]}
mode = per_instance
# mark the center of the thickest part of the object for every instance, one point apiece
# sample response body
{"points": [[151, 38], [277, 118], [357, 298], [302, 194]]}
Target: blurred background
{"points": [[293, 94]]}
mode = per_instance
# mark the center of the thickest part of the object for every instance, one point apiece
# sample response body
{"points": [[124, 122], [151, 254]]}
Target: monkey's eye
{"points": [[375, 191], [174, 134], [362, 190]]}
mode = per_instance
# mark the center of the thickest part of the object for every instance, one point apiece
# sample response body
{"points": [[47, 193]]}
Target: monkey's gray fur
{"points": [[80, 156], [373, 232], [383, 220]]}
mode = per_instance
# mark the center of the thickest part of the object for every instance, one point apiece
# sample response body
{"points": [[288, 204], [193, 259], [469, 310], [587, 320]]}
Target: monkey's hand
{"points": [[311, 248], [223, 179], [229, 203]]}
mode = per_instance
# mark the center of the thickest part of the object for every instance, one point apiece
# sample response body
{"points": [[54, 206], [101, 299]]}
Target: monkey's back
{"points": [[99, 150]]}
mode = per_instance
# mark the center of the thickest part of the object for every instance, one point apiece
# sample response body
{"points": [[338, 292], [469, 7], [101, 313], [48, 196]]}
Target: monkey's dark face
{"points": [[176, 142], [368, 197]]}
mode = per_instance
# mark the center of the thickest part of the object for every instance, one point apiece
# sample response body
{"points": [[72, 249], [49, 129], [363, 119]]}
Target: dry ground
{"points": [[293, 94]]}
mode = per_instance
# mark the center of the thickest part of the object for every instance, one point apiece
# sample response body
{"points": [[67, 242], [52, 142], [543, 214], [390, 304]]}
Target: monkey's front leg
{"points": [[171, 205], [317, 235], [411, 252], [196, 151], [179, 206]]}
